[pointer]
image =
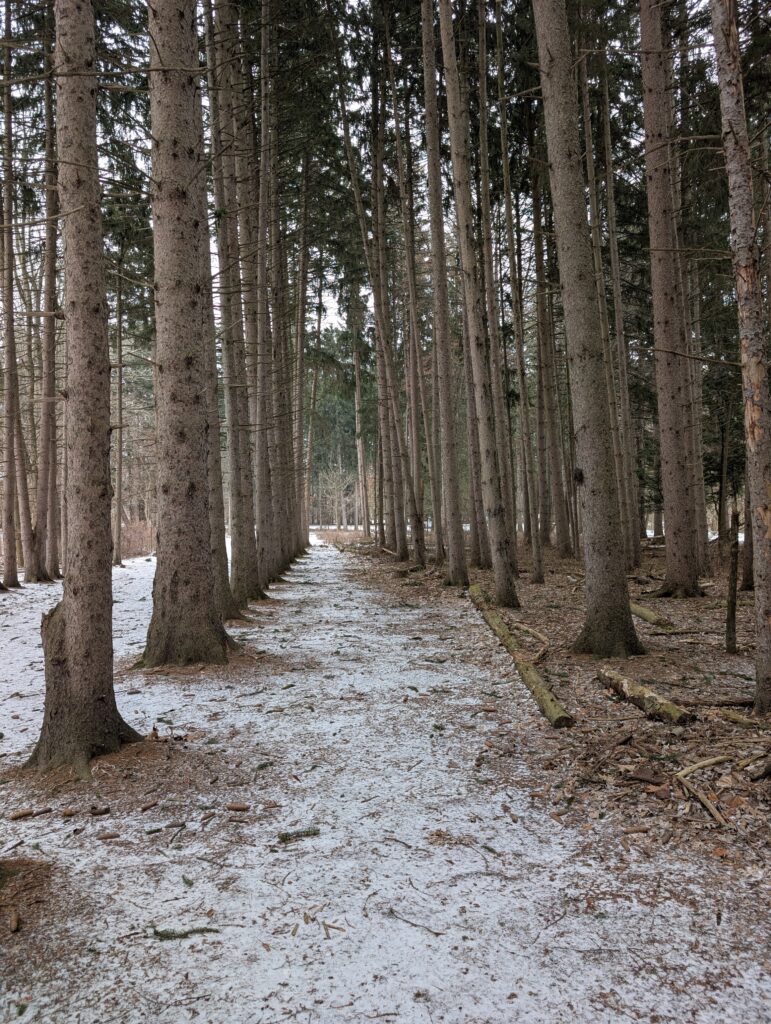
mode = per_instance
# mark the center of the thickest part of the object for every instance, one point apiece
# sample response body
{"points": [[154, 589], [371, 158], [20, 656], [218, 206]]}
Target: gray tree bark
{"points": [[608, 628], [670, 345], [457, 572], [11, 382], [754, 353], [80, 717], [185, 626], [501, 543]]}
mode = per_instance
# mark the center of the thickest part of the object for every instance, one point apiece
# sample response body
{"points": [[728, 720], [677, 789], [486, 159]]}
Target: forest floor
{"points": [[364, 817]]}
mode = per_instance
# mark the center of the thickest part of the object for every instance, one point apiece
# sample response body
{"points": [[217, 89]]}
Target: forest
{"points": [[385, 506]]}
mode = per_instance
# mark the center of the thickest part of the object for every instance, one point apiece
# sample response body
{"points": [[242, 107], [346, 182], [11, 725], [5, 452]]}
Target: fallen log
{"points": [[641, 612], [644, 698], [549, 705]]}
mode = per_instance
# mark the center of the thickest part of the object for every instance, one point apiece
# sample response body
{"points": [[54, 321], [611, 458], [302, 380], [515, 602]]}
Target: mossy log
{"points": [[544, 698], [644, 698], [641, 612]]}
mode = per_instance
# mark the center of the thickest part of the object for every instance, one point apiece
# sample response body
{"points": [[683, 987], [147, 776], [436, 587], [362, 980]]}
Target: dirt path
{"points": [[432, 892]]}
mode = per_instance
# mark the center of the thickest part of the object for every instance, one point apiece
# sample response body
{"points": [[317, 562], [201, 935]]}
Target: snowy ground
{"points": [[429, 894]]}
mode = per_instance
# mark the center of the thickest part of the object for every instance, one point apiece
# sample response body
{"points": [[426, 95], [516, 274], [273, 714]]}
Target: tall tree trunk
{"points": [[748, 575], [502, 432], [457, 573], [186, 626], [25, 533], [551, 395], [245, 569], [223, 595], [670, 346], [11, 382], [404, 481], [46, 475], [361, 461], [80, 718], [298, 387], [622, 354], [501, 543], [602, 304], [608, 629], [117, 551], [754, 353], [479, 539]]}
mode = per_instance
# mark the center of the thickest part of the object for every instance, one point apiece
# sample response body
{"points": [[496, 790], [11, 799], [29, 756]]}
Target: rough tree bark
{"points": [[456, 556], [11, 382], [670, 345], [754, 355], [185, 626], [608, 629], [47, 437], [502, 425], [622, 355], [80, 718], [501, 543]]}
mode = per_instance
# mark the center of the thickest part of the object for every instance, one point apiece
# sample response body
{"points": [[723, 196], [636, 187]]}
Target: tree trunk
{"points": [[608, 630], [46, 475], [299, 367], [501, 543], [622, 355], [244, 563], [360, 454], [500, 412], [551, 395], [457, 573], [748, 577], [479, 547], [602, 304], [186, 626], [117, 555], [11, 382], [80, 718], [223, 596], [754, 356], [670, 347]]}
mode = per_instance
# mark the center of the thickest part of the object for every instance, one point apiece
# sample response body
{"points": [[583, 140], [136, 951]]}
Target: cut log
{"points": [[641, 612], [549, 705], [644, 698]]}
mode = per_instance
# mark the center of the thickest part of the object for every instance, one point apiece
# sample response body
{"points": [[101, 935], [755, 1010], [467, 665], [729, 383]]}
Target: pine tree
{"points": [[608, 628], [80, 718], [185, 625]]}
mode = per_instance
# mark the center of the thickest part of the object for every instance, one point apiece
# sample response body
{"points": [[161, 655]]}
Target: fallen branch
{"points": [[544, 698], [707, 763], [414, 924], [167, 934], [644, 698], [544, 640], [705, 802], [737, 719], [641, 612], [731, 702]]}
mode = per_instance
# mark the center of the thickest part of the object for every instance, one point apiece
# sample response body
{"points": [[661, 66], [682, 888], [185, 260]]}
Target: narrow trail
{"points": [[433, 891]]}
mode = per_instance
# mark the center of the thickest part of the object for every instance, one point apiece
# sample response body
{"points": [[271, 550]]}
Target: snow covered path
{"points": [[430, 893]]}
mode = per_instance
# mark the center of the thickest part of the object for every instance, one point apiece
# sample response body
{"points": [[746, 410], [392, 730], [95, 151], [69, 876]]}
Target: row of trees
{"points": [[436, 211]]}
